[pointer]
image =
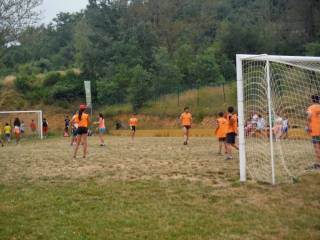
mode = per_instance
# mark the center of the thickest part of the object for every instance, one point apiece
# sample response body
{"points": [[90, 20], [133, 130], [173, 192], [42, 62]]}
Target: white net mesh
{"points": [[30, 122], [292, 84]]}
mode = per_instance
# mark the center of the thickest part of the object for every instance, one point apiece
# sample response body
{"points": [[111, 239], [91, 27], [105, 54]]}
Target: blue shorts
{"points": [[102, 130]]}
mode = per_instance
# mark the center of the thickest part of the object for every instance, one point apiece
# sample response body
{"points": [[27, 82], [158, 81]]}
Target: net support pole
{"points": [[41, 124], [270, 121], [240, 96]]}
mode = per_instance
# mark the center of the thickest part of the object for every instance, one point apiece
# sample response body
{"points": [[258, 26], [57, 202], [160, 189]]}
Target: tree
{"points": [[139, 90], [15, 15]]}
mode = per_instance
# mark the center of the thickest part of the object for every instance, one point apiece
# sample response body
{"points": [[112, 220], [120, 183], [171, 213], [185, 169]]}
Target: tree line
{"points": [[136, 50]]}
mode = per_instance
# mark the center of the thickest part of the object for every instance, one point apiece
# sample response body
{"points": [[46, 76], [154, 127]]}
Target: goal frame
{"points": [[40, 117], [240, 99]]}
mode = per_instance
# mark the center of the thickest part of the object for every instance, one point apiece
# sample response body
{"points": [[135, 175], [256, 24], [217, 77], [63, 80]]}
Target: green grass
{"points": [[154, 189], [58, 209]]}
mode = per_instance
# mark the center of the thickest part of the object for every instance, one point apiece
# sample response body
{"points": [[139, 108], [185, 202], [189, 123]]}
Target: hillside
{"points": [[161, 112]]}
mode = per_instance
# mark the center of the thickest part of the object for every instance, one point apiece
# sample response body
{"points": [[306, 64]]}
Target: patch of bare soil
{"points": [[146, 159]]}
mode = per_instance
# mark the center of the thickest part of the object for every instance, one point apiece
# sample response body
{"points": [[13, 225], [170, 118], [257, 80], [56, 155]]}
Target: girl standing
{"points": [[102, 129], [83, 121], [17, 129]]}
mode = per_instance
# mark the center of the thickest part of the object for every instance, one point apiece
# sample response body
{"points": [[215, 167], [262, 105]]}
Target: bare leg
{"points": [[220, 147], [235, 146], [185, 135], [317, 150], [225, 148], [101, 139], [229, 152], [78, 141], [85, 144]]}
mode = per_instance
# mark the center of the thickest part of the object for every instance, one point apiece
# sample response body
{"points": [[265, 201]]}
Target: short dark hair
{"points": [[186, 108], [315, 98], [230, 109], [220, 114], [259, 116]]}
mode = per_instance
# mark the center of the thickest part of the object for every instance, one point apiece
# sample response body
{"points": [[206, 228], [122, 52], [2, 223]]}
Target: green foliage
{"points": [[181, 44], [22, 83], [139, 90], [313, 49], [51, 79]]}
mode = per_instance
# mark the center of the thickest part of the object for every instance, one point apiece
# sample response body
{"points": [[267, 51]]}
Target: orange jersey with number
{"points": [[314, 125], [232, 123], [221, 131], [133, 122], [186, 119]]}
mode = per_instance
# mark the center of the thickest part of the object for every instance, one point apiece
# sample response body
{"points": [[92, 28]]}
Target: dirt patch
{"points": [[148, 158]]}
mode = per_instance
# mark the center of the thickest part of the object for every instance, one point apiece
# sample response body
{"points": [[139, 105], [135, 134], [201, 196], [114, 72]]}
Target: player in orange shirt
{"points": [[186, 121], [83, 121], [232, 129], [133, 123], [314, 126], [221, 132]]}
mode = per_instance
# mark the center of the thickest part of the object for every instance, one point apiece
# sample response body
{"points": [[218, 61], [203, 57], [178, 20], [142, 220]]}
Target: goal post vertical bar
{"points": [[240, 96], [270, 120], [41, 124]]}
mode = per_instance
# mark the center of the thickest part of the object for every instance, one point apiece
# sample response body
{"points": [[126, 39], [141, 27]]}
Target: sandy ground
{"points": [[145, 159]]}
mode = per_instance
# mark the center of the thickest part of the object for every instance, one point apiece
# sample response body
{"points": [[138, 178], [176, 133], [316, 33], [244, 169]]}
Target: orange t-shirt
{"points": [[133, 121], [186, 119], [222, 127], [84, 122], [314, 125], [232, 123]]}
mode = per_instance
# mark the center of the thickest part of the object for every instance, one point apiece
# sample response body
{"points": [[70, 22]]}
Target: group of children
{"points": [[18, 129]]}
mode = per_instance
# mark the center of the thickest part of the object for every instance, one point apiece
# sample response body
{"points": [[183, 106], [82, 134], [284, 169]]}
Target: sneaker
{"points": [[229, 158]]}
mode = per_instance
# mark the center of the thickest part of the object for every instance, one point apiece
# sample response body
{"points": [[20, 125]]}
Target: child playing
{"points": [[221, 132], [186, 121], [133, 123], [7, 132]]}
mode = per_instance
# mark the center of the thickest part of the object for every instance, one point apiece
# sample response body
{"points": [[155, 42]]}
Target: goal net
{"points": [[31, 122], [274, 93]]}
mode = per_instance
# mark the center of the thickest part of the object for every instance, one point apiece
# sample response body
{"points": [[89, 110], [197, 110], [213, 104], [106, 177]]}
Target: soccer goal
{"points": [[31, 122], [274, 93]]}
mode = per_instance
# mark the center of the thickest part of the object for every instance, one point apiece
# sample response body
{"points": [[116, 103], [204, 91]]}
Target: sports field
{"points": [[155, 188]]}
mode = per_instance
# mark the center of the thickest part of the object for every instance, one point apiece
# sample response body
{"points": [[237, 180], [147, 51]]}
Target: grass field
{"points": [[155, 188]]}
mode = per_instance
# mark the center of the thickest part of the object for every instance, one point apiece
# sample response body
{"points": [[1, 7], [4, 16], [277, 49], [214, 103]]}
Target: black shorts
{"points": [[82, 130], [187, 126], [133, 128], [222, 139], [231, 138]]}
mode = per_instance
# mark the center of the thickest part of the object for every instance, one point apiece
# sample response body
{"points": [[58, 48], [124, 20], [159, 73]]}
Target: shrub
{"points": [[52, 78]]}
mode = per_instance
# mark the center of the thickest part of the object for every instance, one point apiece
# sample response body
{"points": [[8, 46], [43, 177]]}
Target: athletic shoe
{"points": [[229, 158]]}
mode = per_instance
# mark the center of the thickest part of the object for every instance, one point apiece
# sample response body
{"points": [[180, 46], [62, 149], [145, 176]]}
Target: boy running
{"points": [[186, 121], [7, 132], [221, 132], [314, 126], [232, 128], [133, 123]]}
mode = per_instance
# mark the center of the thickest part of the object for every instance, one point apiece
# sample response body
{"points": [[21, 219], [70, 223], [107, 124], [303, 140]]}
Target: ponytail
{"points": [[80, 114]]}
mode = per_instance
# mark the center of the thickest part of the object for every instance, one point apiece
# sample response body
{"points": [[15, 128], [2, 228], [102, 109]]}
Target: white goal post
{"points": [[21, 114], [273, 95]]}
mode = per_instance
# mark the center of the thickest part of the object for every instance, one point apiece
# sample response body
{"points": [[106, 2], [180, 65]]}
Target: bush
{"points": [[52, 78], [22, 83]]}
